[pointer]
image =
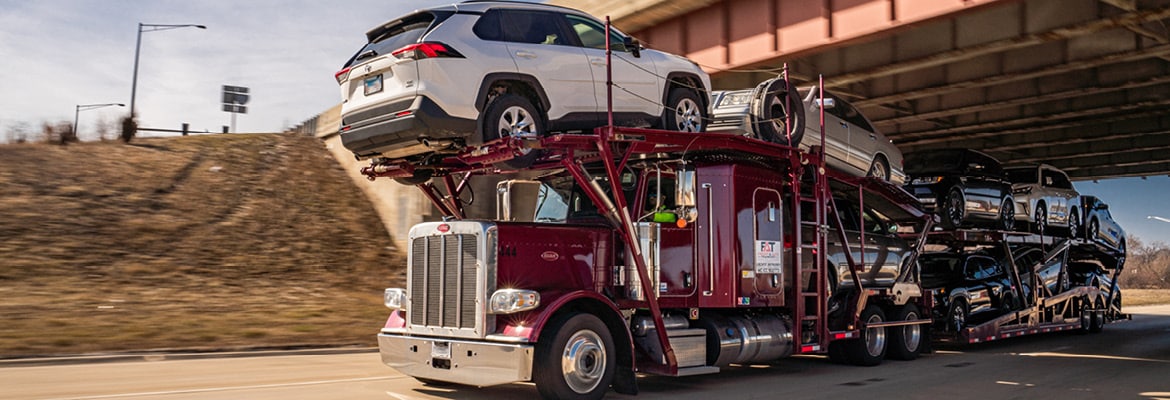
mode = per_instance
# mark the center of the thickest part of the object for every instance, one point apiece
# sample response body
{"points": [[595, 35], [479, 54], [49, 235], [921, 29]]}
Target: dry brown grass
{"points": [[1144, 297], [196, 242]]}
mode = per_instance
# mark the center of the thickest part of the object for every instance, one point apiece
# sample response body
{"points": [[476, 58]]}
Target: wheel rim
{"points": [[875, 338], [1074, 224], [1093, 230], [877, 170], [1007, 212], [955, 208], [1041, 221], [912, 334], [583, 362], [959, 317], [687, 117], [517, 122]]}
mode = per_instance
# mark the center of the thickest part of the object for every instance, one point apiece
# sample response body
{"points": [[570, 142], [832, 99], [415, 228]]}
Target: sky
{"points": [[57, 54]]}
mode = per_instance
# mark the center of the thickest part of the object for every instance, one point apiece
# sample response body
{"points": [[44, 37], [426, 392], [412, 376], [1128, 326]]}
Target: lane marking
{"points": [[1094, 356], [229, 388]]}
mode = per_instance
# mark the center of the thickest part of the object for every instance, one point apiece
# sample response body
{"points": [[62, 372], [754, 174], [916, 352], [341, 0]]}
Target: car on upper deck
{"points": [[964, 187], [431, 82], [1099, 224], [1045, 198], [852, 143]]}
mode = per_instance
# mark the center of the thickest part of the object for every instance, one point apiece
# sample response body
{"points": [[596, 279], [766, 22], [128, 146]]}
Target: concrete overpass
{"points": [[1079, 84]]}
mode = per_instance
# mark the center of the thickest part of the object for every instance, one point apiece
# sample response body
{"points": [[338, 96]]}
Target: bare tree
{"points": [[1147, 265]]}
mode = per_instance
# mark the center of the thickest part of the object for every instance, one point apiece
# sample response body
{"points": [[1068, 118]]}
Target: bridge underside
{"points": [[1083, 85]]}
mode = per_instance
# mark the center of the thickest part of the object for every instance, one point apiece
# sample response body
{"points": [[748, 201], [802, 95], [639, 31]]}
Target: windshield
{"points": [[561, 199], [1022, 175]]}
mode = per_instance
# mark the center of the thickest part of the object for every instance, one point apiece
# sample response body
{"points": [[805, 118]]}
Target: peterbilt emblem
{"points": [[550, 256], [444, 228]]}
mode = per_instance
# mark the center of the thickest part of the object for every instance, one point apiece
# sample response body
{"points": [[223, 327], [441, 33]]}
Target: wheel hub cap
{"points": [[583, 362]]}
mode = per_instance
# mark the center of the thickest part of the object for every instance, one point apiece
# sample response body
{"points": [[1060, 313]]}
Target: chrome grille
{"points": [[443, 281]]}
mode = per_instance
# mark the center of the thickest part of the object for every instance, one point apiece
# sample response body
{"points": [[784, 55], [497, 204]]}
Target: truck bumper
{"points": [[465, 362]]}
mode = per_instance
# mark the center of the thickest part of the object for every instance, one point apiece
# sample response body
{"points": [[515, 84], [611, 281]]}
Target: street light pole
{"points": [[84, 107], [138, 48], [1157, 218]]}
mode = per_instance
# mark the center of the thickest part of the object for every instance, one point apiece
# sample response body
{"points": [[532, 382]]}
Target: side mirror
{"points": [[1103, 206], [633, 46], [826, 103]]}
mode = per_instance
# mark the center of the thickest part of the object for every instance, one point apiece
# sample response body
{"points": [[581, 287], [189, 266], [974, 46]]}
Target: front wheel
{"points": [[953, 209], [1040, 219], [684, 112], [1074, 224], [576, 360], [957, 317], [906, 341], [1007, 213], [510, 115], [870, 349]]}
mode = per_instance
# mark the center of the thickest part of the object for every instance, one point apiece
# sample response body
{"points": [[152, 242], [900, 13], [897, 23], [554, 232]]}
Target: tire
{"points": [[879, 169], [770, 108], [1092, 231], [1097, 319], [1074, 224], [684, 112], [905, 342], [953, 209], [1010, 303], [870, 349], [419, 177], [1040, 219], [513, 115], [1007, 214], [581, 343], [957, 316]]}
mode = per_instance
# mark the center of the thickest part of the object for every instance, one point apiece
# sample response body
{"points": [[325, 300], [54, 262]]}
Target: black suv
{"points": [[964, 187], [967, 287]]}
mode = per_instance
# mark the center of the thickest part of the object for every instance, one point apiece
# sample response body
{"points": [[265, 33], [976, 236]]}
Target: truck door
{"points": [[768, 243]]}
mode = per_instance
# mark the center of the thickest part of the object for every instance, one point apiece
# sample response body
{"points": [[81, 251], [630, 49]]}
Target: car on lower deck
{"points": [[431, 82], [968, 288], [966, 188]]}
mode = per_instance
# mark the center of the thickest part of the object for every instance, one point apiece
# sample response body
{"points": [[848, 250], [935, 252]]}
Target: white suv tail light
{"points": [[419, 51]]}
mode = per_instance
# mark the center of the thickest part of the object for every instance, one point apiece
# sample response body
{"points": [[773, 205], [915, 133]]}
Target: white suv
{"points": [[439, 79]]}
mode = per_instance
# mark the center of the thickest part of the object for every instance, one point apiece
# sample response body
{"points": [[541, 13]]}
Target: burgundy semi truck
{"points": [[656, 252]]}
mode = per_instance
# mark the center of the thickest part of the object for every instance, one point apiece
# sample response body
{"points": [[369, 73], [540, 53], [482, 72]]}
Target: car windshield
{"points": [[1022, 175], [934, 162]]}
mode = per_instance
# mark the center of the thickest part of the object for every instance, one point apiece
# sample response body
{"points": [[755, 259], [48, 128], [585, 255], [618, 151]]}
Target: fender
{"points": [[481, 95], [559, 302], [704, 97]]}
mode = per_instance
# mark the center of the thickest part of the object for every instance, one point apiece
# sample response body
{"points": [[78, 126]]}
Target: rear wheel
{"points": [[879, 169], [905, 341], [870, 349], [576, 361], [1092, 231], [685, 114], [1097, 319], [511, 115], [1074, 224]]}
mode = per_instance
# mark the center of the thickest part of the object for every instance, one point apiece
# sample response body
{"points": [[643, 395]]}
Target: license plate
{"points": [[373, 84], [441, 350]]}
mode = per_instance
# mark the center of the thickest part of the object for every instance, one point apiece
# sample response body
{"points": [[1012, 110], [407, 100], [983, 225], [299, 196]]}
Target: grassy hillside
{"points": [[194, 242]]}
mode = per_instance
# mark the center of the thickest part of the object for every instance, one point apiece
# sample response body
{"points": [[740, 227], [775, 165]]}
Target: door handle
{"points": [[600, 62], [525, 54]]}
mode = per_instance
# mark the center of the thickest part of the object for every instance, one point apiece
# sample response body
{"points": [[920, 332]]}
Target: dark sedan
{"points": [[967, 287], [966, 188]]}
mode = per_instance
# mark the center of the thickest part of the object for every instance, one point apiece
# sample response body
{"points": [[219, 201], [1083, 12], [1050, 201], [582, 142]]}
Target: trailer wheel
{"points": [[685, 113], [905, 341], [1097, 319], [870, 349], [576, 360], [513, 115]]}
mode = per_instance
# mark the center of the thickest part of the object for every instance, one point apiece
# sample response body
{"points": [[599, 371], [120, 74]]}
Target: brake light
{"points": [[419, 51], [342, 75]]}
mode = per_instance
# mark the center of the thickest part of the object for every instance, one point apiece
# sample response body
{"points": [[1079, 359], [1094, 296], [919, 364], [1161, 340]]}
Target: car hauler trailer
{"points": [[1050, 304], [729, 264]]}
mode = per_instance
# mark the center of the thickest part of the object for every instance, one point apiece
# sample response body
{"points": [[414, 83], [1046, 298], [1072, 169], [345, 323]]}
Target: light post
{"points": [[85, 107], [1157, 218], [138, 47]]}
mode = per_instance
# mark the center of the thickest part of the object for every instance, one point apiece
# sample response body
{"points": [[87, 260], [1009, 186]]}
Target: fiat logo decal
{"points": [[550, 256]]}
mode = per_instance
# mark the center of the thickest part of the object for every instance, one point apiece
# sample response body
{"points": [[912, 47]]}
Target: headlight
{"points": [[508, 301], [395, 298], [736, 98], [1022, 190], [926, 180]]}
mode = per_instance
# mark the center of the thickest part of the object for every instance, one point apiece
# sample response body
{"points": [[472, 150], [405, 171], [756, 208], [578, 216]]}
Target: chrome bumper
{"points": [[463, 362]]}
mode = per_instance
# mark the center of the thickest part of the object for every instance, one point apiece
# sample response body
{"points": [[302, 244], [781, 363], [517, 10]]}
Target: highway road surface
{"points": [[1130, 360]]}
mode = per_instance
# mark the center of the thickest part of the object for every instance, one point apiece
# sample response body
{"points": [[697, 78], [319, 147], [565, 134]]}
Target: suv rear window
{"points": [[393, 36]]}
